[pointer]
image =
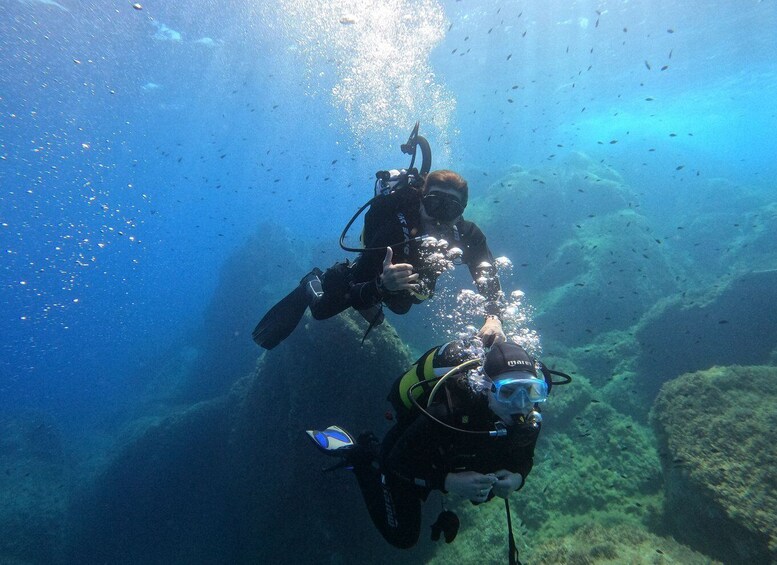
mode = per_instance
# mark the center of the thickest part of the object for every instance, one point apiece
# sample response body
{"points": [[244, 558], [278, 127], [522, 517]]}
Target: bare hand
{"points": [[471, 485], [397, 277], [492, 333]]}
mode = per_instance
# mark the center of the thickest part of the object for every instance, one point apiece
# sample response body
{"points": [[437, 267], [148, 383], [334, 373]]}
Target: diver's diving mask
{"points": [[442, 206], [520, 390]]}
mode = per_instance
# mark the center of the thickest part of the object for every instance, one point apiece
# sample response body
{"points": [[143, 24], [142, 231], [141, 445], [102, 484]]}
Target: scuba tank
{"points": [[391, 181]]}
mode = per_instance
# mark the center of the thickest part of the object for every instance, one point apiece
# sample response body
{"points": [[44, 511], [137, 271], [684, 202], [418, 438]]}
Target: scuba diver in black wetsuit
{"points": [[399, 264], [470, 434]]}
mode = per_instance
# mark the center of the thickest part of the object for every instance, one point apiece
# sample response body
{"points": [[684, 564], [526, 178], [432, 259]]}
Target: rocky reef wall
{"points": [[212, 483]]}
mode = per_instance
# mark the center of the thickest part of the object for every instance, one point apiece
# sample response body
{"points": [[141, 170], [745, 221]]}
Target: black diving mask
{"points": [[442, 206]]}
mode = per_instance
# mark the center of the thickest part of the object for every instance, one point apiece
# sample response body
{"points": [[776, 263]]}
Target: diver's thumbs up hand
{"points": [[388, 258], [397, 277]]}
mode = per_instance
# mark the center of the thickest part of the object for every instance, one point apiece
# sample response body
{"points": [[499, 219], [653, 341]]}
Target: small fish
{"points": [[510, 100], [679, 167], [664, 67], [613, 142], [670, 30], [670, 53], [649, 99], [647, 65], [348, 19], [509, 56], [137, 6]]}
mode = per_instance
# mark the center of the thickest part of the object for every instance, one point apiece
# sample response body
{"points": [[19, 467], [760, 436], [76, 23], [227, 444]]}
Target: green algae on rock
{"points": [[595, 544], [717, 434]]}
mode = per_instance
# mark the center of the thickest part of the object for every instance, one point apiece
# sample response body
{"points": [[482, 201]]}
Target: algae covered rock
{"points": [[621, 543], [234, 479], [581, 249], [717, 430], [604, 463]]}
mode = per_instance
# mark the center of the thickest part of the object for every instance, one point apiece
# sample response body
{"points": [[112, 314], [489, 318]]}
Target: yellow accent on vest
{"points": [[420, 296], [411, 377]]}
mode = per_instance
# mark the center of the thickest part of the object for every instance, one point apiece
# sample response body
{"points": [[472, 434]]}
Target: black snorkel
{"points": [[387, 182]]}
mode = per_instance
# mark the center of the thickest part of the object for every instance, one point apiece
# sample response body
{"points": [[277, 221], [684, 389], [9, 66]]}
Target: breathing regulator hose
{"points": [[409, 179]]}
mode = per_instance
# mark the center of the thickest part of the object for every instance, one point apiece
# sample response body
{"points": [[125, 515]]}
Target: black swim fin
{"points": [[282, 318]]}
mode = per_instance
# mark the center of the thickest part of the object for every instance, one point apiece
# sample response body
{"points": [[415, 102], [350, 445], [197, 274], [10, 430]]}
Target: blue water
{"points": [[139, 148]]}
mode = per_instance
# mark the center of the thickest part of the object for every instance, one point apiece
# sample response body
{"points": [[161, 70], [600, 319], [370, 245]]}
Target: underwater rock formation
{"points": [[595, 543], [33, 489], [734, 324], [717, 434], [210, 484], [252, 278], [581, 250]]}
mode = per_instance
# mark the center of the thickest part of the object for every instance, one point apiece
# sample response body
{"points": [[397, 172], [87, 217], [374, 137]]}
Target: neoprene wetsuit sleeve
{"points": [[364, 295], [381, 228], [486, 278]]}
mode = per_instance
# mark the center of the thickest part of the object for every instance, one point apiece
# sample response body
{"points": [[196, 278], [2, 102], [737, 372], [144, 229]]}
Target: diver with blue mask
{"points": [[460, 429]]}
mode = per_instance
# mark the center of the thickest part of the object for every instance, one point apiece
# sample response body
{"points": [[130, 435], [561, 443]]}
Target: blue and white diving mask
{"points": [[519, 389]]}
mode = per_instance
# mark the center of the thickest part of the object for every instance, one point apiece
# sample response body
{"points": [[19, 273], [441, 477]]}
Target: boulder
{"points": [[716, 432]]}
